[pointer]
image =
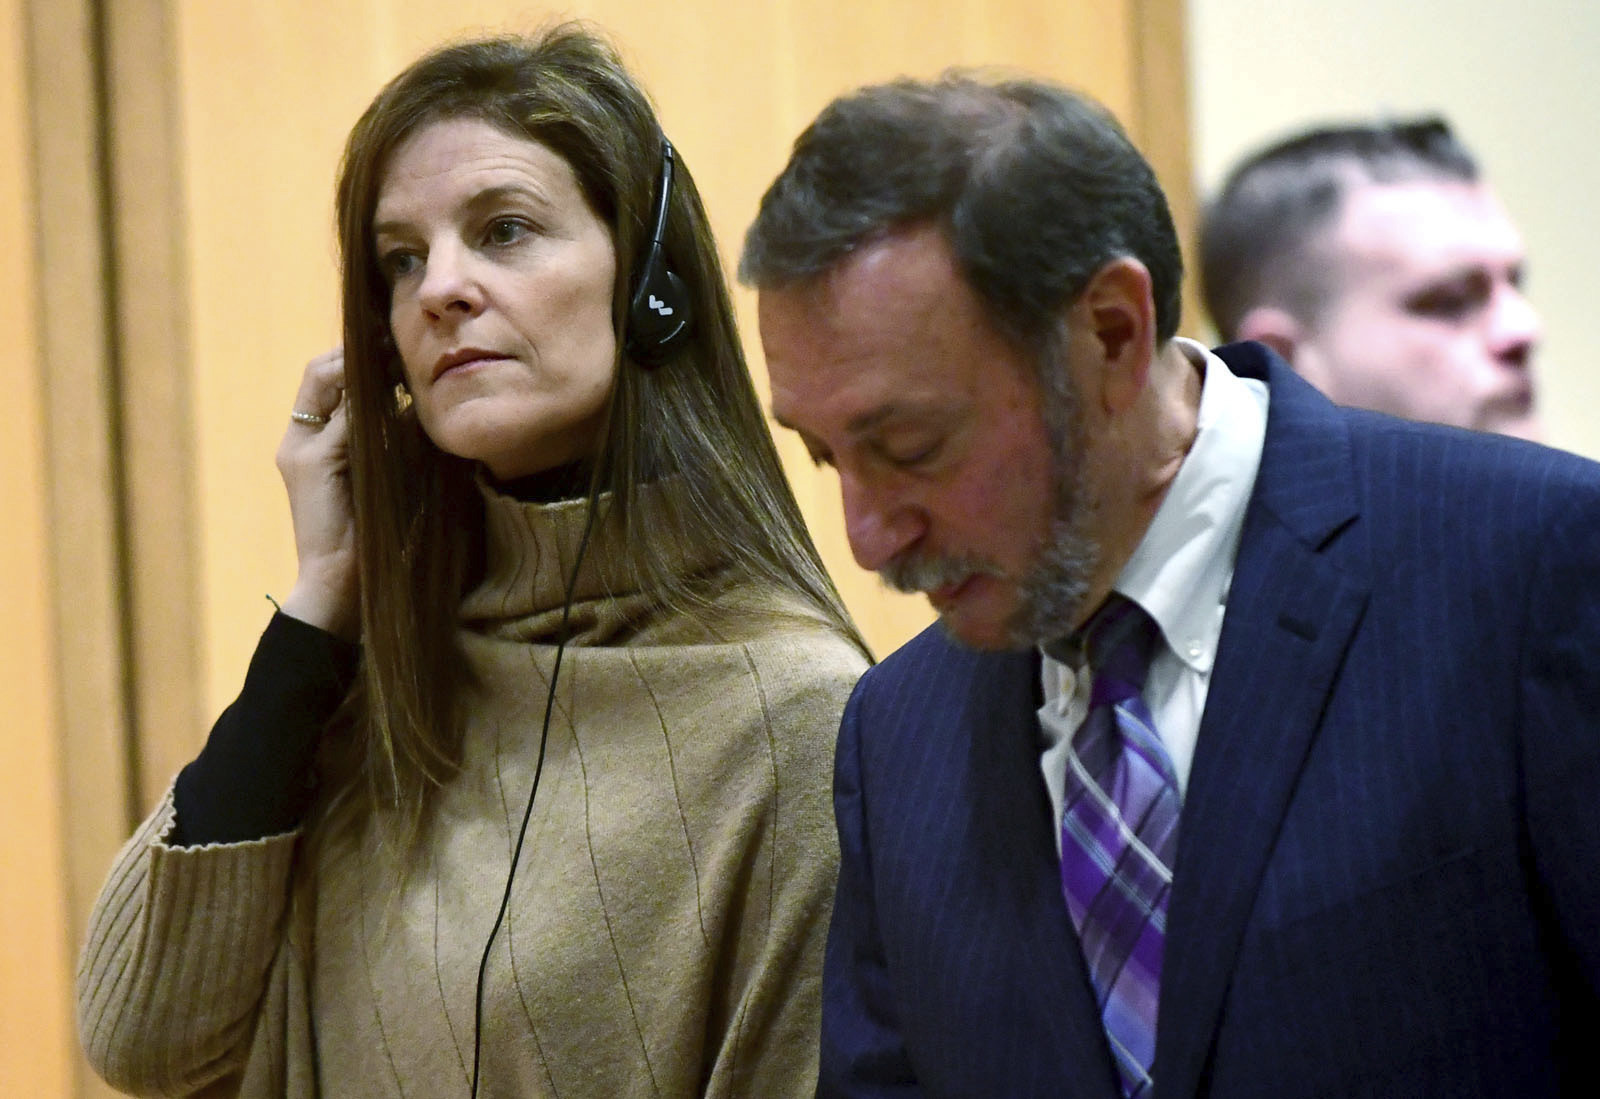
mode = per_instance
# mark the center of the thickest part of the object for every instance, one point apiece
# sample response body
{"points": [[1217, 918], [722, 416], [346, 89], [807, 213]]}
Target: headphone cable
{"points": [[527, 813]]}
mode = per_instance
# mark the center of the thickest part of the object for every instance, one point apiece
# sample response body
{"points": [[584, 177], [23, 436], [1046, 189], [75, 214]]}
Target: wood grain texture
{"points": [[149, 311], [79, 428], [35, 955], [1160, 123]]}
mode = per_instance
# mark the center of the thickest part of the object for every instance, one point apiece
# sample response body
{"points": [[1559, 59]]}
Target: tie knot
{"points": [[1118, 641]]}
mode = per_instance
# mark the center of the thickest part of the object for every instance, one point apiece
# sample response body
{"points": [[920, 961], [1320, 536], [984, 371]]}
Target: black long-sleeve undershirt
{"points": [[255, 776]]}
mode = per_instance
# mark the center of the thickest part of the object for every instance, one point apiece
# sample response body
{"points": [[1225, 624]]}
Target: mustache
{"points": [[916, 574]]}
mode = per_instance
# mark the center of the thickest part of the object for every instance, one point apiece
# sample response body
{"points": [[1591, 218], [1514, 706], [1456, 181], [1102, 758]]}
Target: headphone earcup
{"points": [[659, 316]]}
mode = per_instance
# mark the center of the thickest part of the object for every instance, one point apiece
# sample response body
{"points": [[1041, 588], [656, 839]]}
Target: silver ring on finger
{"points": [[314, 419]]}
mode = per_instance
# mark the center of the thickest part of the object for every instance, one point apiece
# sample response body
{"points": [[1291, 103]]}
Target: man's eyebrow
{"points": [[866, 421], [861, 424]]}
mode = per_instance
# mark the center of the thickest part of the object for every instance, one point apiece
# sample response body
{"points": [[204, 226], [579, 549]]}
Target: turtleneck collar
{"points": [[564, 482], [529, 551]]}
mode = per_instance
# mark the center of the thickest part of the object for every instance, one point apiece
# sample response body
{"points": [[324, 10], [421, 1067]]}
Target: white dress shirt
{"points": [[1179, 574]]}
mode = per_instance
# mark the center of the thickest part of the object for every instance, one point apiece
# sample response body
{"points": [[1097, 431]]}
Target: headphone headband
{"points": [[659, 317]]}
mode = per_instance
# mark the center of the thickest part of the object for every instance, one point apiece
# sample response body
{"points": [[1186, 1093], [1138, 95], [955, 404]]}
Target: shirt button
{"points": [[1195, 650]]}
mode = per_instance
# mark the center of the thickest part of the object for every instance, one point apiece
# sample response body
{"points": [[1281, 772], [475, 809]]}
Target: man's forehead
{"points": [[1425, 225], [888, 290], [894, 269]]}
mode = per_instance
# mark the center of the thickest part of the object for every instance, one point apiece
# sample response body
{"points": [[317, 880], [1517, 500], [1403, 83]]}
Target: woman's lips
{"points": [[465, 357]]}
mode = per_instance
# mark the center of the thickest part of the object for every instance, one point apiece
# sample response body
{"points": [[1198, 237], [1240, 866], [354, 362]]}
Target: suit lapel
{"points": [[1294, 605], [1015, 833]]}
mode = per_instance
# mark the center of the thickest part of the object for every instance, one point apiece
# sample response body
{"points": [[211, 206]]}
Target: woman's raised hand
{"points": [[313, 459]]}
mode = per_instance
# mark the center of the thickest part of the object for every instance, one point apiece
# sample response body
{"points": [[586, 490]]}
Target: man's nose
{"points": [[1514, 328], [879, 524]]}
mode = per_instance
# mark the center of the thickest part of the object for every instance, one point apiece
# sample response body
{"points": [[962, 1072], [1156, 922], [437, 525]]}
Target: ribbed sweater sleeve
{"points": [[253, 778], [174, 976]]}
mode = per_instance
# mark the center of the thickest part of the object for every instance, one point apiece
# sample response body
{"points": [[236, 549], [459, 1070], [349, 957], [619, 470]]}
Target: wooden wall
{"points": [[35, 1039], [166, 174]]}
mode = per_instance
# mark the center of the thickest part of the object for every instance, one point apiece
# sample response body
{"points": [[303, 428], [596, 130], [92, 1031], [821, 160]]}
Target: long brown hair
{"points": [[694, 424]]}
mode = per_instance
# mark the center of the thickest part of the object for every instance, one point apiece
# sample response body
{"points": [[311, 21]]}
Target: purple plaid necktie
{"points": [[1119, 833]]}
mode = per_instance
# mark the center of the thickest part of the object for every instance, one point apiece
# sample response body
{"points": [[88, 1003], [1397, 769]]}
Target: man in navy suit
{"points": [[1257, 751]]}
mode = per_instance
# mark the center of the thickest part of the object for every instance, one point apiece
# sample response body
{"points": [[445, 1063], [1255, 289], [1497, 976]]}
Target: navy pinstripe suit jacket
{"points": [[1388, 877]]}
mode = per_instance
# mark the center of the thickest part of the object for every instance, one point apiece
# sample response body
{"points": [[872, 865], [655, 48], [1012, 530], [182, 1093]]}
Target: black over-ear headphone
{"points": [[659, 317]]}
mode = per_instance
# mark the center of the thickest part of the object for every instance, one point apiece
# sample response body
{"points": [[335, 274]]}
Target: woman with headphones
{"points": [[527, 788]]}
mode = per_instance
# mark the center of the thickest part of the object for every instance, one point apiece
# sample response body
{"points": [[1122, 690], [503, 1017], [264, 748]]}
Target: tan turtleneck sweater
{"points": [[665, 931]]}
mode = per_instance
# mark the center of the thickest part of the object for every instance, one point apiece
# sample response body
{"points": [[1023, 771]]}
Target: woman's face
{"points": [[501, 280]]}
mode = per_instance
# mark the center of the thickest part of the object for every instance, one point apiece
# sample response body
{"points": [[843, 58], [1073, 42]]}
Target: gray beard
{"points": [[1051, 593]]}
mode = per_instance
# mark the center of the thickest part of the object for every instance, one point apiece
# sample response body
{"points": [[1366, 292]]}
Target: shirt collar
{"points": [[1181, 570]]}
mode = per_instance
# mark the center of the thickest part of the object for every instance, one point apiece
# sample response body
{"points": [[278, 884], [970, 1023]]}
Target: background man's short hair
{"points": [[1035, 187], [1258, 234]]}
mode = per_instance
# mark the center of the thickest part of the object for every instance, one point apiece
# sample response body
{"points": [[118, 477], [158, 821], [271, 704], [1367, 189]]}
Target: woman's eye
{"points": [[398, 263], [506, 230]]}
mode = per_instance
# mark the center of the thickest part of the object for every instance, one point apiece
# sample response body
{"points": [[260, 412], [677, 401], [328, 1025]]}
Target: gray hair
{"points": [[1034, 186]]}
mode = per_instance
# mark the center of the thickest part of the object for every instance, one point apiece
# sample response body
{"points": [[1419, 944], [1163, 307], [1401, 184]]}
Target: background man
{"points": [[1258, 750], [1377, 261]]}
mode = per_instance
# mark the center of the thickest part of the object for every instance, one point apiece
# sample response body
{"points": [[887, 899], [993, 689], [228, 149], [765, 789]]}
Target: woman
{"points": [[599, 664]]}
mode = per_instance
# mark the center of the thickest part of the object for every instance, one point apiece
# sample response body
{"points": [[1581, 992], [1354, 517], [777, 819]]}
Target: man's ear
{"points": [[1114, 318], [1274, 327], [1300, 347]]}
